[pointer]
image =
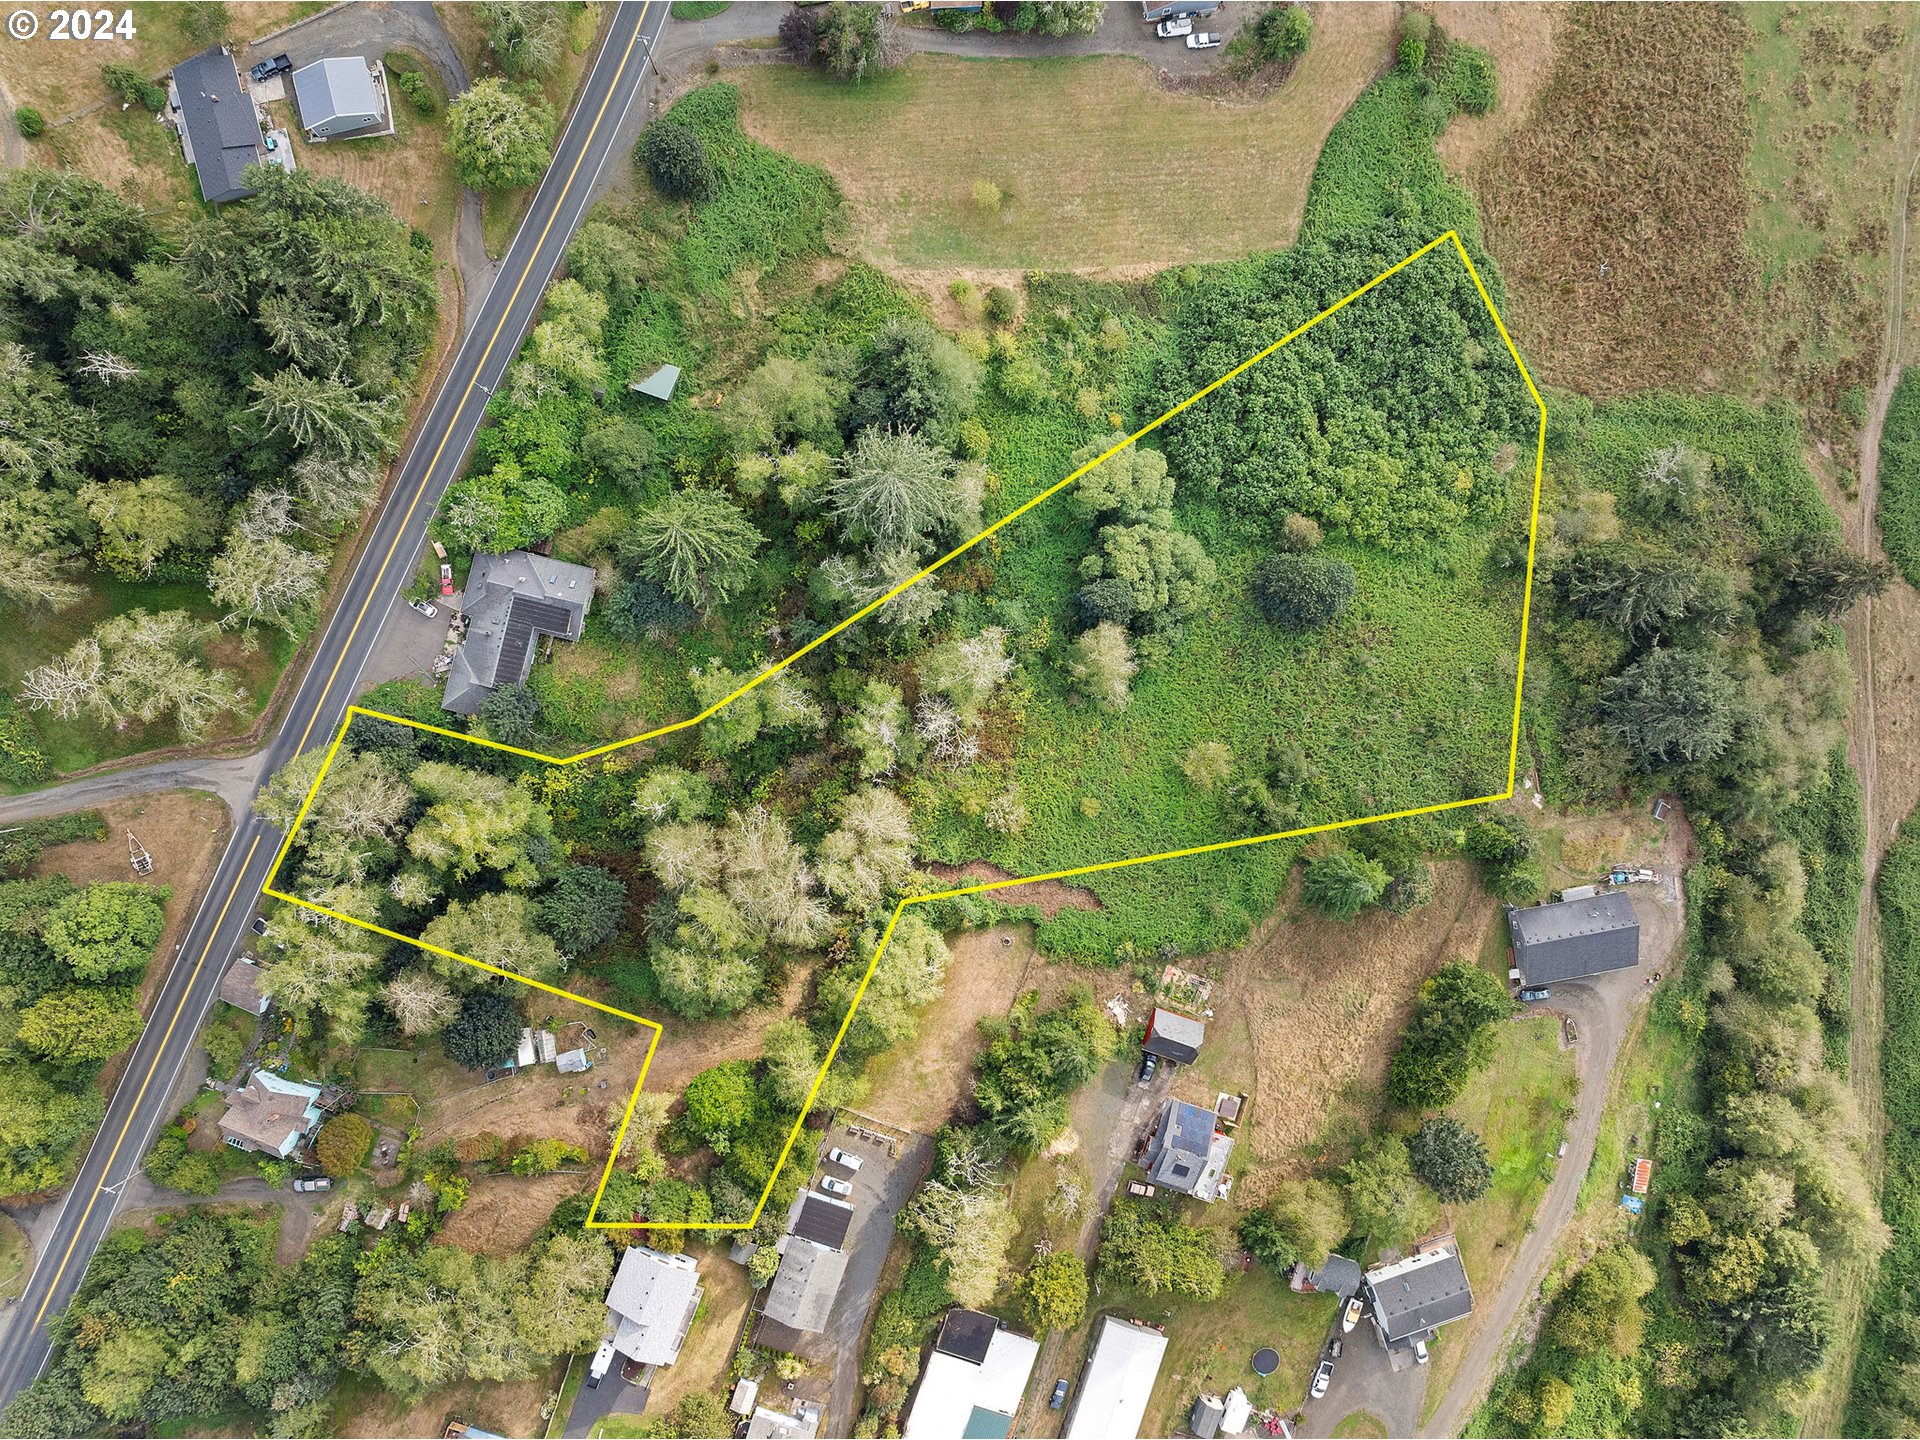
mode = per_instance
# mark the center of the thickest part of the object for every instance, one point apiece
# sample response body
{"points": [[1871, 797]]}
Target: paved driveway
{"points": [[1364, 1379], [880, 1190], [409, 642], [613, 1396]]}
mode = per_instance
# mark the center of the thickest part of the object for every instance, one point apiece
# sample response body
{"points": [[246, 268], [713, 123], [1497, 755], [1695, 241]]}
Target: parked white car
{"points": [[833, 1185], [843, 1158], [1205, 40], [1322, 1378], [1176, 27]]}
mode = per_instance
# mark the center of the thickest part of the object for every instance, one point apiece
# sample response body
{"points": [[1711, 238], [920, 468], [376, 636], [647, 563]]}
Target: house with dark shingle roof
{"points": [[1412, 1298], [510, 601], [1186, 1152], [219, 130], [240, 986], [1574, 938]]}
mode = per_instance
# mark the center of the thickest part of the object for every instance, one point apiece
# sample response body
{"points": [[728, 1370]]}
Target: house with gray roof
{"points": [[1186, 1152], [1574, 938], [510, 601], [240, 986], [1412, 1298], [805, 1284], [218, 126], [1174, 1037], [343, 95], [651, 1304], [270, 1115]]}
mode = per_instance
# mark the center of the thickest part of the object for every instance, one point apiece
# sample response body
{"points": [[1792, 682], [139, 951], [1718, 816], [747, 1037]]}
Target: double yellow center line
{"points": [[386, 562]]}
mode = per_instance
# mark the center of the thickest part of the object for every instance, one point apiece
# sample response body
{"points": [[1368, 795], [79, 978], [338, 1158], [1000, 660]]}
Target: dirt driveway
{"points": [[1604, 1008]]}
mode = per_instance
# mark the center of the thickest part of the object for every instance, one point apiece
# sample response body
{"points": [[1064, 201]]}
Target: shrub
{"points": [[1413, 55], [1303, 592], [1449, 1035], [1300, 533], [30, 122], [1343, 883], [677, 160], [132, 87], [1002, 305], [486, 1031], [1899, 513], [1471, 84], [418, 89], [987, 197], [1451, 1159], [224, 1050], [343, 1144]]}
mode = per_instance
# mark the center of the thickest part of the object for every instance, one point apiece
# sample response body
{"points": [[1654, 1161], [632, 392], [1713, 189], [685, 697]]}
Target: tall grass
{"points": [[1899, 514]]}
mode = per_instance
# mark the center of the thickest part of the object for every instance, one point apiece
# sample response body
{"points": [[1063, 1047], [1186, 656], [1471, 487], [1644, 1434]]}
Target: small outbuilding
{"points": [[340, 96], [1564, 941], [659, 385], [1174, 1037], [240, 987], [1208, 1411]]}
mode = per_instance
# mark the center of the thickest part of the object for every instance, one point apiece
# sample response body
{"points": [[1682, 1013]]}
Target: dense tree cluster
{"points": [[71, 963], [1449, 1035], [213, 411], [1383, 423]]}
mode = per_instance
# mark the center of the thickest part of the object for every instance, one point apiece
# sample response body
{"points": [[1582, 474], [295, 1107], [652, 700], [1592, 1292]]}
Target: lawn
{"points": [[75, 744], [1099, 165], [16, 1256], [1210, 1343], [1361, 1425], [61, 77], [414, 1079], [1519, 1104]]}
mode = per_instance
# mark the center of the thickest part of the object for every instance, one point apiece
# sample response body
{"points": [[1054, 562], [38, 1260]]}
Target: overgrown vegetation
{"points": [[1884, 1398], [72, 960], [207, 417], [1899, 511]]}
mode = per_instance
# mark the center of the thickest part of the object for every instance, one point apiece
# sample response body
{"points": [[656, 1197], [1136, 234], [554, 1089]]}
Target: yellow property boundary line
{"points": [[793, 1136]]}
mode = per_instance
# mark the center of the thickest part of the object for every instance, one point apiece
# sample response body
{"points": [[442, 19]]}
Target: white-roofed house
{"points": [[973, 1381], [1117, 1382], [651, 1304]]}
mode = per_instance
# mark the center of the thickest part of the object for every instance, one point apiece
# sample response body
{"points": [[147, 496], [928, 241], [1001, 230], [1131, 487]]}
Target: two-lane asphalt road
{"points": [[140, 1103]]}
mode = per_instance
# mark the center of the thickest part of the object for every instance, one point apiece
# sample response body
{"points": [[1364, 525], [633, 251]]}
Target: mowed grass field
{"points": [[1101, 166], [1519, 1104]]}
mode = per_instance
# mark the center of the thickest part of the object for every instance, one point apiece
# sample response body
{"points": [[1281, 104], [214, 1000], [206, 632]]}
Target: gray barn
{"points": [[1574, 938], [338, 96]]}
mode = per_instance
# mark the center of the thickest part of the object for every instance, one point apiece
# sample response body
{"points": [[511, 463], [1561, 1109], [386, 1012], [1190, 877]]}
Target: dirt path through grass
{"points": [[1882, 808]]}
